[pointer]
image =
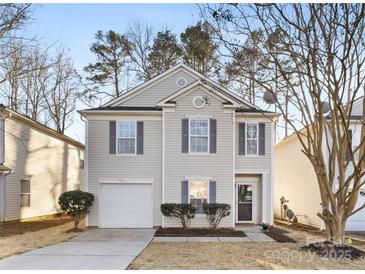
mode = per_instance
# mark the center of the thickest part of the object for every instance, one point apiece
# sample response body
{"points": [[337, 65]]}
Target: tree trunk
{"points": [[77, 219]]}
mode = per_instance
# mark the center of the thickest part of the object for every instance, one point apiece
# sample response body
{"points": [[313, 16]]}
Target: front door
{"points": [[245, 202]]}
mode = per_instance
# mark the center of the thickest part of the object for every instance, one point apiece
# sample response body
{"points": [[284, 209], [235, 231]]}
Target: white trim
{"points": [[117, 137], [200, 98], [120, 112], [163, 165], [197, 178], [208, 136], [234, 168], [199, 75], [253, 202], [190, 88], [202, 180], [25, 178], [86, 164], [139, 89], [109, 117], [181, 78], [129, 181], [257, 139], [272, 181]]}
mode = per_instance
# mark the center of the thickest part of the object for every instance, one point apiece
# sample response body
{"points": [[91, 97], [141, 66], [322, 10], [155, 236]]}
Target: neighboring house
{"points": [[178, 138], [295, 179], [37, 164]]}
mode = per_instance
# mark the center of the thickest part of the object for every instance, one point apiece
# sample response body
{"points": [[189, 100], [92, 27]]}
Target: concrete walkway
{"points": [[95, 249]]}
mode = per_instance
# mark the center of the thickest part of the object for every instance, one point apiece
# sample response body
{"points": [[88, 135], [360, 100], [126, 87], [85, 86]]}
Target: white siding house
{"points": [[178, 138], [37, 165], [296, 180]]}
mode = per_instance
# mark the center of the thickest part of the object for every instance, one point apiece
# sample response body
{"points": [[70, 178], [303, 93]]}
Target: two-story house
{"points": [[296, 180], [37, 164], [178, 138]]}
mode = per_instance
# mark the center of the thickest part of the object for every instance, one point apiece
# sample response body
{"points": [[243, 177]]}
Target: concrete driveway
{"points": [[95, 249]]}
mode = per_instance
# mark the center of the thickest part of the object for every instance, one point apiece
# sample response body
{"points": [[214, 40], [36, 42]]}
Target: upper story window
{"points": [[251, 138], [126, 137], [199, 135]]}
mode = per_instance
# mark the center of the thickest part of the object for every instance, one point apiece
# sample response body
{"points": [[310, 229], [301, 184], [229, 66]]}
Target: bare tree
{"points": [[141, 38], [325, 43], [35, 81], [12, 18], [61, 94]]}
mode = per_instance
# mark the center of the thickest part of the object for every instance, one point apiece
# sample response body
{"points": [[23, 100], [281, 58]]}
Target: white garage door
{"points": [[357, 221], [125, 205]]}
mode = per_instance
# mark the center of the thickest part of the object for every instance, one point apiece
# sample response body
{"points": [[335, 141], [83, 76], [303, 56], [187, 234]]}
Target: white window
{"points": [[199, 135], [251, 138], [126, 137], [198, 194], [24, 193]]}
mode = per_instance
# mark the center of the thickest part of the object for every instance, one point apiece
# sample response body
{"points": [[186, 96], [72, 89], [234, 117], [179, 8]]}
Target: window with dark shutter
{"points": [[261, 138], [212, 192], [185, 135], [112, 137], [185, 192], [140, 137], [213, 136], [241, 138]]}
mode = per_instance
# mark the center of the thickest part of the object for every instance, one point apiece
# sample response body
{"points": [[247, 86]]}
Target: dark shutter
{"points": [[261, 138], [112, 137], [347, 156], [185, 135], [212, 192], [184, 192], [241, 138], [139, 137], [213, 135]]}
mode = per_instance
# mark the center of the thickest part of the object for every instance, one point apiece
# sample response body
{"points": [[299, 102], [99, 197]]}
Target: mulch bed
{"points": [[278, 234], [25, 226], [334, 251], [198, 232]]}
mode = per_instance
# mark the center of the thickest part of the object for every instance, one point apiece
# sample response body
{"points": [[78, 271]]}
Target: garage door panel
{"points": [[125, 206]]}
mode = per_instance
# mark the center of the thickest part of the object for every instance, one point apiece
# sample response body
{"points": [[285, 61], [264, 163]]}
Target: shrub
{"points": [[185, 212], [76, 203], [216, 212]]}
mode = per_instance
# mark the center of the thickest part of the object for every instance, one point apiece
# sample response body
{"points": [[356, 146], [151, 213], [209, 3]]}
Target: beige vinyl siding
{"points": [[159, 91], [295, 179], [217, 166], [357, 107], [102, 165], [51, 165], [261, 164]]}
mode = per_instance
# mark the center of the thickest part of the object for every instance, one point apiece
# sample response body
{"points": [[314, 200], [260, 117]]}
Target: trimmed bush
{"points": [[185, 212], [76, 203], [215, 213]]}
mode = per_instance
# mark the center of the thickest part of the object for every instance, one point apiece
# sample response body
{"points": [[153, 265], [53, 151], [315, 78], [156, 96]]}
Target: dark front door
{"points": [[244, 203]]}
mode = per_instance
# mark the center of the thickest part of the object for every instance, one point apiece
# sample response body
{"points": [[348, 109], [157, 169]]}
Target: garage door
{"points": [[125, 206], [357, 221]]}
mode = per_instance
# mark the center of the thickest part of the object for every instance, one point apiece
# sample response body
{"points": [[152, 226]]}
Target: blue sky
{"points": [[74, 26]]}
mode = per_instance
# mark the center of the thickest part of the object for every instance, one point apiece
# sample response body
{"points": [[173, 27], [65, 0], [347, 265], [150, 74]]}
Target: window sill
{"points": [[127, 155]]}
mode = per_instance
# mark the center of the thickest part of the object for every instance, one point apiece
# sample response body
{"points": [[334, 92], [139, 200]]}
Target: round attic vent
{"points": [[199, 102], [181, 82]]}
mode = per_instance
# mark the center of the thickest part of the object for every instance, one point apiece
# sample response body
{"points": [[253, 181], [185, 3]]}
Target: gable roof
{"points": [[167, 101], [194, 73], [35, 124]]}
